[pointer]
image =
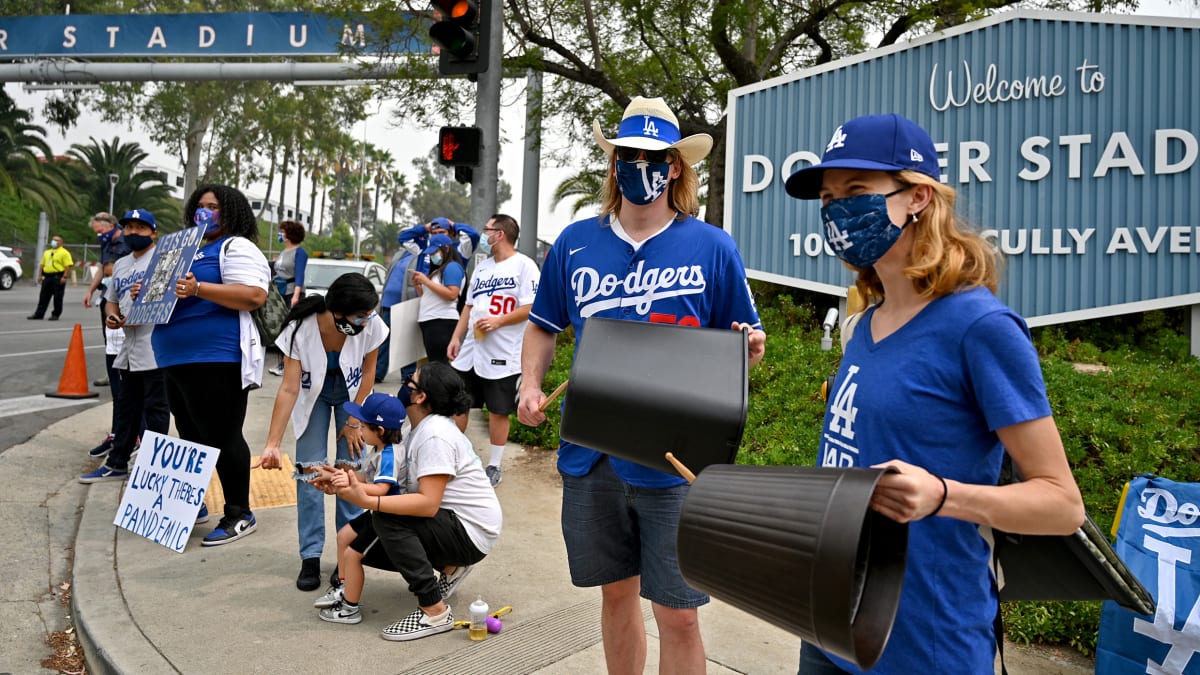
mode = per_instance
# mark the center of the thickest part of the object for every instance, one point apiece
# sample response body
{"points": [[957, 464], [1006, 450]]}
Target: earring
{"points": [[914, 218]]}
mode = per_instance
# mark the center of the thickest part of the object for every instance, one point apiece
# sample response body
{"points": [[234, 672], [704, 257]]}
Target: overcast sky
{"points": [[407, 142]]}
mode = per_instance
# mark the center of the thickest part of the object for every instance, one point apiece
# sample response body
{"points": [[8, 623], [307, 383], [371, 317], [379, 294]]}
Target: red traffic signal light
{"points": [[461, 32], [460, 146]]}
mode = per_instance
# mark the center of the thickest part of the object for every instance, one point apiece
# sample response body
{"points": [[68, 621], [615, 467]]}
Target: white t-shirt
{"points": [[497, 288], [434, 306], [137, 352], [437, 447]]}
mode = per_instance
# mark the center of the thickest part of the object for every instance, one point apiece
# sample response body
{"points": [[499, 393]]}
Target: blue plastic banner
{"points": [[1159, 540], [208, 35]]}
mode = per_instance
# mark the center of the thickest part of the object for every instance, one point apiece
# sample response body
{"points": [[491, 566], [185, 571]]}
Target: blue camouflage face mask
{"points": [[859, 229], [643, 182]]}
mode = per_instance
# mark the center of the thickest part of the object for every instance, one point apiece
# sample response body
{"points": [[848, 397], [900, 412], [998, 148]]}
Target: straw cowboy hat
{"points": [[649, 124]]}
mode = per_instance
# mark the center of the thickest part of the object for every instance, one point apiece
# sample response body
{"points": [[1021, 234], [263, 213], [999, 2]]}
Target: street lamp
{"points": [[112, 189]]}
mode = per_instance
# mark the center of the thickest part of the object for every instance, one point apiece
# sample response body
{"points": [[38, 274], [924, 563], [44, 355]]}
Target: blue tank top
{"points": [[200, 331]]}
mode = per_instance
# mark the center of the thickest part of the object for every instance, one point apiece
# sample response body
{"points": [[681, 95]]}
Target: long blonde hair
{"points": [[947, 254], [682, 196]]}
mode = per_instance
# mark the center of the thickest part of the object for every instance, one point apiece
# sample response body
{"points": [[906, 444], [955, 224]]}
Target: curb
{"points": [[100, 613]]}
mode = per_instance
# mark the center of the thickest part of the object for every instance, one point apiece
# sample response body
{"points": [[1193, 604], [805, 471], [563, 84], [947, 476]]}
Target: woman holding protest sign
{"points": [[334, 341], [210, 351], [938, 381]]}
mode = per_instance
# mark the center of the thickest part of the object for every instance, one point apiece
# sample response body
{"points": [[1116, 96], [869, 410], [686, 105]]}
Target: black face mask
{"points": [[138, 242], [346, 326]]}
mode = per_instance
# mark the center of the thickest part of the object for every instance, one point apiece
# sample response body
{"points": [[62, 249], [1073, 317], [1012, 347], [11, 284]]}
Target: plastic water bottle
{"points": [[479, 612]]}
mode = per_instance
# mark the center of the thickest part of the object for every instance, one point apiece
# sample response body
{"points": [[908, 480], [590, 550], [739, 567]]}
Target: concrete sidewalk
{"points": [[141, 608]]}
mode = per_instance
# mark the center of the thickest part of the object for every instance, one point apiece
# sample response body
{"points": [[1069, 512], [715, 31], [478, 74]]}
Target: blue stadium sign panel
{"points": [[1072, 140]]}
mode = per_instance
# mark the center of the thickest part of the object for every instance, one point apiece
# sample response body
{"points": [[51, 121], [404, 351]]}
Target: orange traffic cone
{"points": [[74, 380]]}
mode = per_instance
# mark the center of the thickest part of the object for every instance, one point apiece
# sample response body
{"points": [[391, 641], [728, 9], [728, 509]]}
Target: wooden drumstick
{"points": [[683, 470], [553, 395]]}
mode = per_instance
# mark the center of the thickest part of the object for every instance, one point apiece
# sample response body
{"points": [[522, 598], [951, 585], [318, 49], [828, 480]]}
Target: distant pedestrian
{"points": [[112, 247], [290, 266], [486, 346], [52, 276], [143, 392], [210, 349], [438, 312]]}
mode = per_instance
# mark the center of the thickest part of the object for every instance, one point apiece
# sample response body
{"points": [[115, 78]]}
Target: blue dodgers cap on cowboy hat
{"points": [[872, 142], [139, 214], [382, 410], [649, 124]]}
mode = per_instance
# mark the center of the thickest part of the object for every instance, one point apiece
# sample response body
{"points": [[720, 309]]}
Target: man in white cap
{"points": [[646, 257]]}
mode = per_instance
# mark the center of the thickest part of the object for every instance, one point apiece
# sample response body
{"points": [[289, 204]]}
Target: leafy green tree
{"points": [[136, 188], [583, 188], [26, 167]]}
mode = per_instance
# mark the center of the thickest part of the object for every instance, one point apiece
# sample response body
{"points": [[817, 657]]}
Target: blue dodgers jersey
{"points": [[932, 394], [689, 274], [200, 331]]}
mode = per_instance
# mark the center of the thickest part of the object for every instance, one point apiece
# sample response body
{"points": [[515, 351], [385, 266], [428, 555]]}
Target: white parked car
{"points": [[10, 268], [321, 272]]}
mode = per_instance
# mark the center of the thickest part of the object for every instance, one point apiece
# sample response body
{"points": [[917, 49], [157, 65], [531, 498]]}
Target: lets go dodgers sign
{"points": [[1159, 540], [165, 489]]}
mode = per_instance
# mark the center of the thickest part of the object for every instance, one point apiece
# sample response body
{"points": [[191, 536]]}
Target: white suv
{"points": [[10, 268]]}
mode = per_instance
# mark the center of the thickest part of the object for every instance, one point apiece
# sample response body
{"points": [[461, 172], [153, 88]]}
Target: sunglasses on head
{"points": [[631, 154]]}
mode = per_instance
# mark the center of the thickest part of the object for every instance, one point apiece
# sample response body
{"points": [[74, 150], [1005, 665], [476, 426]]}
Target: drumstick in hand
{"points": [[553, 395], [683, 470]]}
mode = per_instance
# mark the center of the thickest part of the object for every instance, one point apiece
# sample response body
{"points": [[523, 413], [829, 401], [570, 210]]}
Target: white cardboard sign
{"points": [[165, 489]]}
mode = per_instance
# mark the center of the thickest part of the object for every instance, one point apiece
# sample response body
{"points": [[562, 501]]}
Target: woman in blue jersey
{"points": [[938, 380], [330, 345], [210, 350]]}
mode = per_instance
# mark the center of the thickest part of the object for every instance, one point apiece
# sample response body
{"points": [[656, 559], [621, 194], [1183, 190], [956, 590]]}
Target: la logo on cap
{"points": [[838, 140], [649, 128]]}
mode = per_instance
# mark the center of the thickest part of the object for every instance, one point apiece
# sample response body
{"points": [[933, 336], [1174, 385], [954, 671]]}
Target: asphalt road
{"points": [[32, 355]]}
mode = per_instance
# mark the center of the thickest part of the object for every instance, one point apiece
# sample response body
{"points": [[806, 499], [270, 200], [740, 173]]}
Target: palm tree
{"points": [[584, 187], [136, 188], [25, 167]]}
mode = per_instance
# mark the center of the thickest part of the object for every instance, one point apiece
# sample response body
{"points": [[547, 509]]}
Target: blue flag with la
{"points": [[1159, 540]]}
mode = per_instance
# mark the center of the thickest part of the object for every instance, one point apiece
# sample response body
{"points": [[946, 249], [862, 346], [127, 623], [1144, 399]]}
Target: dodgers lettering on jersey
{"points": [[638, 289]]}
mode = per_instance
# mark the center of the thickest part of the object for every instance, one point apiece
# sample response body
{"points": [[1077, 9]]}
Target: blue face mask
{"points": [[406, 391], [859, 229], [105, 237], [138, 242], [209, 220], [435, 259], [642, 182], [485, 245]]}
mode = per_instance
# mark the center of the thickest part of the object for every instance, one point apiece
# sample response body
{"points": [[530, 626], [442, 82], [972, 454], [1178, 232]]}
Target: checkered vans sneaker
{"points": [[418, 625], [340, 612], [331, 598], [447, 583]]}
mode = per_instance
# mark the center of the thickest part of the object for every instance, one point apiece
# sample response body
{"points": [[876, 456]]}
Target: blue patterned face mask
{"points": [[859, 229], [209, 220], [643, 182]]}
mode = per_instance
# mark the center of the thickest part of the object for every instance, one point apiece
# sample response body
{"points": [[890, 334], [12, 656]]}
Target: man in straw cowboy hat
{"points": [[646, 257]]}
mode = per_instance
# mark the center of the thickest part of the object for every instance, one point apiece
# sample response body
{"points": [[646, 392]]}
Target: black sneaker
{"points": [[103, 449], [231, 529], [310, 575]]}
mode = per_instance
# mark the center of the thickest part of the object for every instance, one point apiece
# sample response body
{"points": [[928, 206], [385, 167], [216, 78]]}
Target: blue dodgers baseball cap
{"points": [[443, 222], [872, 142], [437, 241], [139, 214], [382, 410]]}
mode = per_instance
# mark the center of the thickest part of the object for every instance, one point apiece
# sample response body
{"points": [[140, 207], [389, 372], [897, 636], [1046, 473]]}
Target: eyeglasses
{"points": [[631, 154], [409, 380]]}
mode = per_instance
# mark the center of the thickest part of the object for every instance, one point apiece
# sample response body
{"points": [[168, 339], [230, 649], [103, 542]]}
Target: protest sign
{"points": [[1159, 540], [165, 489], [406, 344], [172, 259]]}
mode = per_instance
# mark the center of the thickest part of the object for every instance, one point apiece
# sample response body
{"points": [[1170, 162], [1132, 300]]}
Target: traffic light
{"points": [[462, 32], [460, 146]]}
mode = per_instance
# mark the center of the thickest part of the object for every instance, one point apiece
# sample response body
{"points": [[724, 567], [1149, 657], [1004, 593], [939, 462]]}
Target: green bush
{"points": [[1138, 416]]}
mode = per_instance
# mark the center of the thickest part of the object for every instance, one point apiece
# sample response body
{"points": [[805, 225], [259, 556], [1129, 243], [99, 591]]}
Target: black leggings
{"points": [[436, 334], [209, 406], [417, 546]]}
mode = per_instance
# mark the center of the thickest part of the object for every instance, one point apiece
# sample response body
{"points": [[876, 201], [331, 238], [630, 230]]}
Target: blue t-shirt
{"points": [[392, 472], [452, 274], [689, 274], [933, 394], [200, 331]]}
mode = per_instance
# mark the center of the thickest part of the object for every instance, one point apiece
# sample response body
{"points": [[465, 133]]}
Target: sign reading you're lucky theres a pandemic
{"points": [[1072, 140], [165, 489]]}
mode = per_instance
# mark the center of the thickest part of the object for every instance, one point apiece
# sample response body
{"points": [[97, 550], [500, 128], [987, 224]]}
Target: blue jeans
{"points": [[814, 662], [313, 446]]}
